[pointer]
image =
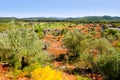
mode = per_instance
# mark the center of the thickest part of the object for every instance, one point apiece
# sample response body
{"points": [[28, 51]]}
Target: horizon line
{"points": [[56, 16]]}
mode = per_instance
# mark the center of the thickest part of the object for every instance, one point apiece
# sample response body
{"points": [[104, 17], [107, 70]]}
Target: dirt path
{"points": [[55, 46]]}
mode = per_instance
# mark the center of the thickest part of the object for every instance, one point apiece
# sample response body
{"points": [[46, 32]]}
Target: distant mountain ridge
{"points": [[97, 18], [89, 18]]}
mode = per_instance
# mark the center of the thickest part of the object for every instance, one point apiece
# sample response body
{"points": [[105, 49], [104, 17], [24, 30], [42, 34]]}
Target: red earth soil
{"points": [[55, 48]]}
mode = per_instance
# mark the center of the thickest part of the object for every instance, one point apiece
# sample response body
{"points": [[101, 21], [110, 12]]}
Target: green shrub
{"points": [[108, 66], [20, 47], [82, 78], [102, 45], [77, 43], [39, 31]]}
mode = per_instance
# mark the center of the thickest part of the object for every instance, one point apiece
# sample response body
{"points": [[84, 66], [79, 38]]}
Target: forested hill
{"points": [[101, 18], [57, 19], [94, 18]]}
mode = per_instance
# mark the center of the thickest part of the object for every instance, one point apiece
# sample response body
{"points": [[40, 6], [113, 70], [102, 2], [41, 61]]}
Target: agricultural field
{"points": [[59, 50]]}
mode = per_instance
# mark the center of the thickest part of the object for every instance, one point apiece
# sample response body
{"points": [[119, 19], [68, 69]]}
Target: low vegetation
{"points": [[24, 49]]}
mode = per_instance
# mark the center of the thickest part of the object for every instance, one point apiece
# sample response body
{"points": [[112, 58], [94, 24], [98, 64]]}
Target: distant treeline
{"points": [[88, 19]]}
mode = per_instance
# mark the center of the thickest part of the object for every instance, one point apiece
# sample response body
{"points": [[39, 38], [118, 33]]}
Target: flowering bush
{"points": [[46, 74]]}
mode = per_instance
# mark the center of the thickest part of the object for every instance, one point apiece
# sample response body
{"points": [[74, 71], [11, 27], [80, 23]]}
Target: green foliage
{"points": [[77, 43], [107, 60], [82, 78], [59, 32], [24, 47], [32, 67], [118, 45], [54, 25], [111, 34], [108, 66], [39, 31], [14, 74], [115, 25], [5, 26], [102, 45], [117, 36]]}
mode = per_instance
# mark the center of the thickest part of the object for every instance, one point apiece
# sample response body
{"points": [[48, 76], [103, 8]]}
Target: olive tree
{"points": [[77, 43], [20, 47]]}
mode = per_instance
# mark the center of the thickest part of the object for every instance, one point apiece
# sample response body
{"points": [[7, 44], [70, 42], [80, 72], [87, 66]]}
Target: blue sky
{"points": [[59, 8]]}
